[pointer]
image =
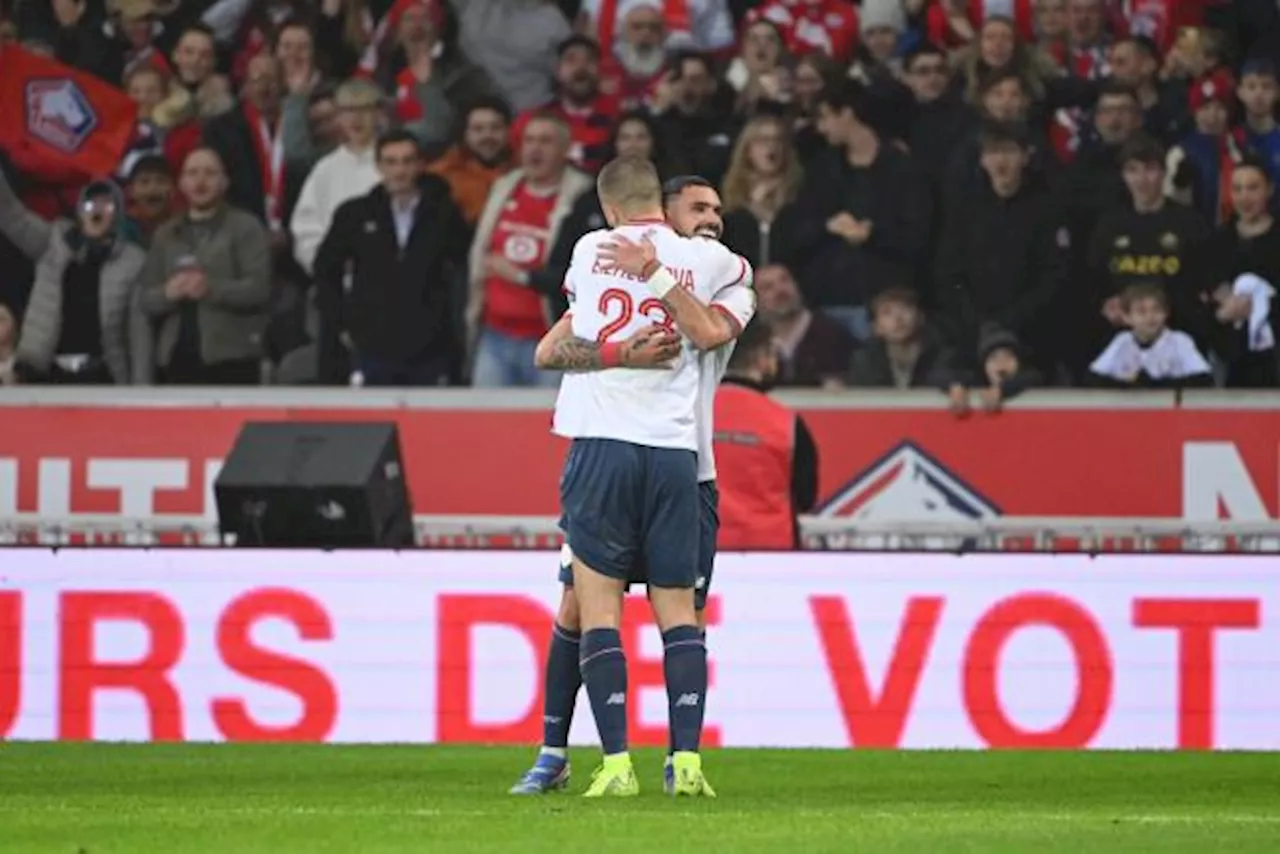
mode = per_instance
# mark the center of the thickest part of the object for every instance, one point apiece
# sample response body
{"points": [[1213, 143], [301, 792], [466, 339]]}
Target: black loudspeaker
{"points": [[294, 484]]}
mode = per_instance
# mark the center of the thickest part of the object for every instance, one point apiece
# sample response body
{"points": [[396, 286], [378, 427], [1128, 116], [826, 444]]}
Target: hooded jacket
{"points": [[126, 336]]}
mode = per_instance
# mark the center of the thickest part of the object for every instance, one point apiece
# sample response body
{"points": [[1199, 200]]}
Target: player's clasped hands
{"points": [[629, 256], [654, 346]]}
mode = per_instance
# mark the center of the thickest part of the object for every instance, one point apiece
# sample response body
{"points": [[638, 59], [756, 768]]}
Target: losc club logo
{"points": [[905, 485], [59, 114]]}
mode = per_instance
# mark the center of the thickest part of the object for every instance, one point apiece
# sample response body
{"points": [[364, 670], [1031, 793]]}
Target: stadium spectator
{"points": [[349, 171], [150, 196], [813, 349], [295, 50], [767, 461], [206, 283], [703, 25], [1003, 253], [808, 82], [906, 352], [1094, 183], [8, 345], [589, 114], [1199, 167], [953, 23], [759, 192], [1259, 94], [1135, 64], [1001, 373], [385, 277], [1005, 99], [250, 143], [757, 73], [694, 117], [637, 67], [863, 215], [197, 90], [431, 81], [83, 324], [998, 50], [1050, 17], [1246, 254], [516, 42], [520, 223], [635, 135], [479, 158], [1153, 238], [939, 117], [881, 23], [1149, 354]]}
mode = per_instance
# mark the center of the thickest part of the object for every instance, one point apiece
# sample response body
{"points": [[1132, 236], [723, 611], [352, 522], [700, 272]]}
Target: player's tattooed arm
{"points": [[561, 350]]}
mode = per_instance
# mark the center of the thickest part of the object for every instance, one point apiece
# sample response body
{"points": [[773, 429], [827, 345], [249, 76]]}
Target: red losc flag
{"points": [[57, 123]]}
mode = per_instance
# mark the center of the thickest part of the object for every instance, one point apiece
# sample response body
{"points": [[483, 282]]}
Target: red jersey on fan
{"points": [[520, 235], [589, 128], [626, 91], [828, 26], [1021, 11]]}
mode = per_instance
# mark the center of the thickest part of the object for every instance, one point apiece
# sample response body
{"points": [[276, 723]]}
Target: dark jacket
{"points": [[399, 304], [1001, 260], [936, 367], [895, 198], [235, 141], [762, 246]]}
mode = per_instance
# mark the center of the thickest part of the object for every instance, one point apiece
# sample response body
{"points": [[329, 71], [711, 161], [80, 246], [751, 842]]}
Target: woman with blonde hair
{"points": [[763, 180]]}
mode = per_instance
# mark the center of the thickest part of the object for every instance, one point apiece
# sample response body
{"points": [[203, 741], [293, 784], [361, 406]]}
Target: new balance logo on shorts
{"points": [[687, 700], [616, 699]]}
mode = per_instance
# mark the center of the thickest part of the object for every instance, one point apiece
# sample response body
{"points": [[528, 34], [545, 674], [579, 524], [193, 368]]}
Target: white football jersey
{"points": [[655, 408], [739, 302]]}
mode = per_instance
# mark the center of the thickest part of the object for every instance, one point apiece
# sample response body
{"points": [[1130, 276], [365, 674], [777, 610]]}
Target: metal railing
{"points": [[1008, 533]]}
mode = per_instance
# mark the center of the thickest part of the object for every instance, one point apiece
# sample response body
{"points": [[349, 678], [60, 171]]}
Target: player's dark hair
{"points": [[1146, 289], [755, 340], [677, 185], [1143, 149], [396, 136]]}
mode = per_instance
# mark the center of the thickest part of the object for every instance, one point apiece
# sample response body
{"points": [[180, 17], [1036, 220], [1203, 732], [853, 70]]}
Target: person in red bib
{"points": [[519, 224], [589, 114], [766, 459]]}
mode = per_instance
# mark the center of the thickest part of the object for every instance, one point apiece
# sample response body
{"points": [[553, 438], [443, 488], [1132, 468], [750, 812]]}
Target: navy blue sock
{"points": [[560, 690], [671, 732], [684, 663], [604, 670]]}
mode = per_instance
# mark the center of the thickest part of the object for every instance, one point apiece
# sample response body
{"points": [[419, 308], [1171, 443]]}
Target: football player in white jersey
{"points": [[629, 488], [693, 208]]}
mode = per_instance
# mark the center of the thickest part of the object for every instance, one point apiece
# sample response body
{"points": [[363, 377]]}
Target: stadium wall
{"points": [[809, 650]]}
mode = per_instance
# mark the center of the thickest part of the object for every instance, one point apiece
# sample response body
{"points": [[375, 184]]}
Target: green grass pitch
{"points": [[245, 799]]}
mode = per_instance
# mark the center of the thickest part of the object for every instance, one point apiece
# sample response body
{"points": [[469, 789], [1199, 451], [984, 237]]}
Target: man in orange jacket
{"points": [[766, 459]]}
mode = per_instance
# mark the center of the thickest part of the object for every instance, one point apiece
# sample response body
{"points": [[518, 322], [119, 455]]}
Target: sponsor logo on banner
{"points": [[817, 650], [909, 465]]}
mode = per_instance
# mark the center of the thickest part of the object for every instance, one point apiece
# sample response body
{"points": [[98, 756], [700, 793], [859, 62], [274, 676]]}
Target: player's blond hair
{"points": [[630, 184]]}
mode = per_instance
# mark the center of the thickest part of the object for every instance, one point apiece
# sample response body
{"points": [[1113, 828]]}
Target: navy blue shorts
{"points": [[708, 530], [633, 512]]}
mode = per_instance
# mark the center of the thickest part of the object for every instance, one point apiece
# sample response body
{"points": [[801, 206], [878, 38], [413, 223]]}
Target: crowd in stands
{"points": [[952, 194]]}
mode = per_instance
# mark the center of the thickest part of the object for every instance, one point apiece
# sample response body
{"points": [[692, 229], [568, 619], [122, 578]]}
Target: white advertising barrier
{"points": [[807, 650]]}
